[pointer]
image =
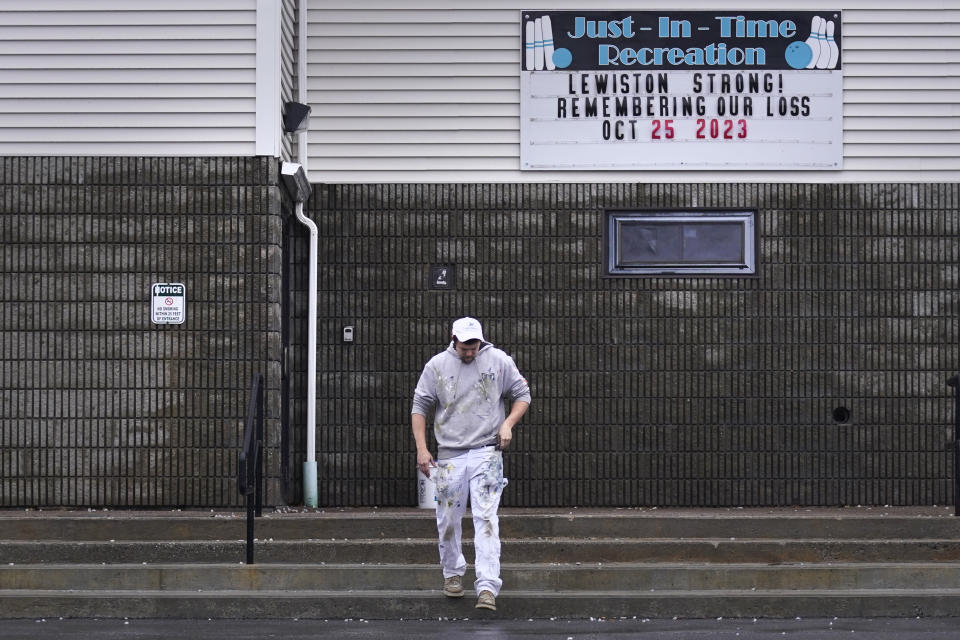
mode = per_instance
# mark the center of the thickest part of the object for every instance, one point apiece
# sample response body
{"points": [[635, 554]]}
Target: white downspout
{"points": [[310, 466]]}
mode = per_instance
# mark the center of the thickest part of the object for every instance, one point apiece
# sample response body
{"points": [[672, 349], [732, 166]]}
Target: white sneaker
{"points": [[453, 587], [486, 601]]}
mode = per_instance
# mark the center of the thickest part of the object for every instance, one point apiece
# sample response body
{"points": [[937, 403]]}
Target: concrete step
{"points": [[371, 563], [407, 605], [540, 550], [652, 577], [869, 523]]}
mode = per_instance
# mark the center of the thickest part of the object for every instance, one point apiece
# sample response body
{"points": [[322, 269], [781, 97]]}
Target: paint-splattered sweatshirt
{"points": [[468, 399]]}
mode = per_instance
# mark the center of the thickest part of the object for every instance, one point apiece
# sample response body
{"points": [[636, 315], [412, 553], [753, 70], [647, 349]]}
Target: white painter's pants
{"points": [[479, 472]]}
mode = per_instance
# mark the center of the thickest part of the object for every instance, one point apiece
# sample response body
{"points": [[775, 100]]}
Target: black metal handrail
{"points": [[955, 383], [250, 464]]}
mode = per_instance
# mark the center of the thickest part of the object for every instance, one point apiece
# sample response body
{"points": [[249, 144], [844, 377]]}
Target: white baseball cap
{"points": [[466, 329]]}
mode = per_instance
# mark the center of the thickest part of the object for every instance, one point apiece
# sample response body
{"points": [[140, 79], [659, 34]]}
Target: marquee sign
{"points": [[689, 90]]}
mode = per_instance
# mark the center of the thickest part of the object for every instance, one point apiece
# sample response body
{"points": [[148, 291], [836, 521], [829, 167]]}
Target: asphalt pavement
{"points": [[616, 629]]}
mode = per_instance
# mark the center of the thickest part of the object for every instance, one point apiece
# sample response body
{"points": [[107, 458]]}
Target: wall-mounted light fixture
{"points": [[296, 117]]}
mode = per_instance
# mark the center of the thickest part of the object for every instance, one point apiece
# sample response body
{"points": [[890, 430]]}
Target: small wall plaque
{"points": [[441, 276]]}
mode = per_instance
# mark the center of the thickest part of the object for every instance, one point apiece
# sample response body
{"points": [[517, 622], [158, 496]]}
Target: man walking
{"points": [[466, 386]]}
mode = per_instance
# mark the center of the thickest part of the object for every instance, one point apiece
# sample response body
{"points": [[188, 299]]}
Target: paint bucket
{"points": [[426, 491]]}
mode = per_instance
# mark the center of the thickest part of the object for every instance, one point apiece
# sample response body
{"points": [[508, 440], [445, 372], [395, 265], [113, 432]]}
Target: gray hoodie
{"points": [[468, 398]]}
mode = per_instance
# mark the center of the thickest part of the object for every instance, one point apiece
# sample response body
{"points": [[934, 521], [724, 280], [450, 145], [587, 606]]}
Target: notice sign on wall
{"points": [[169, 302], [697, 90]]}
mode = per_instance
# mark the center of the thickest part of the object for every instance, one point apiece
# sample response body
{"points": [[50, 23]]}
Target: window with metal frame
{"points": [[680, 243]]}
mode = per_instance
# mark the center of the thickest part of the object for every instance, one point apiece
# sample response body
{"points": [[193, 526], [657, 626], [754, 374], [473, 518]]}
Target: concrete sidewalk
{"points": [[712, 629]]}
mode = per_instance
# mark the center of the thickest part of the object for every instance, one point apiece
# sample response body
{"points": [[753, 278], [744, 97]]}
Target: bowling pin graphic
{"points": [[814, 41], [834, 50], [824, 58], [530, 43], [548, 43], [538, 44]]}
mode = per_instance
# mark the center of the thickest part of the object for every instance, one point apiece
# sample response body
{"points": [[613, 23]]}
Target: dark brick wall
{"points": [[647, 391], [100, 406], [650, 391]]}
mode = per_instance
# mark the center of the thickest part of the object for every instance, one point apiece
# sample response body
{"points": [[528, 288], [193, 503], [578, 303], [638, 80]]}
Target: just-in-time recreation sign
{"points": [[698, 90]]}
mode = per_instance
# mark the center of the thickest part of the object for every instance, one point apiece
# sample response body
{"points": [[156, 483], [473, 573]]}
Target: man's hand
{"points": [[424, 459], [424, 462], [504, 436]]}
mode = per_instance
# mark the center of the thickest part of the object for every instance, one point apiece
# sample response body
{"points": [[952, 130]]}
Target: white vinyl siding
{"points": [[144, 78], [428, 91]]}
